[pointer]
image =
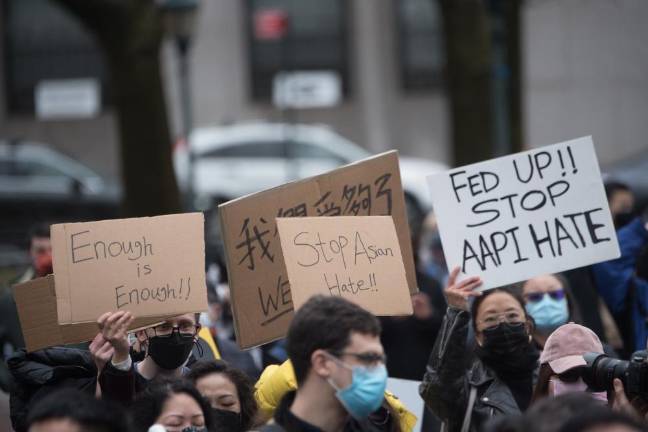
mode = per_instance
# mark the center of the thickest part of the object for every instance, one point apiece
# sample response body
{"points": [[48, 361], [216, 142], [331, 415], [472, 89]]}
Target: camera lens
{"points": [[601, 371]]}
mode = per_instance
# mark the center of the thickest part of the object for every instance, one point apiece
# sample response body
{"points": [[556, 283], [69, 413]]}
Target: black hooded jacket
{"points": [[38, 373]]}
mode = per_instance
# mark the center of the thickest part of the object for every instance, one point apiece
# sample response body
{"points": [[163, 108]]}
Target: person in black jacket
{"points": [[339, 363], [169, 348], [500, 379], [39, 373]]}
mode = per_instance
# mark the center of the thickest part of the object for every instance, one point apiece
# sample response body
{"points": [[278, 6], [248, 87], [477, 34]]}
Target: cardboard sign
{"points": [[531, 213], [357, 258], [36, 304], [260, 291], [149, 266]]}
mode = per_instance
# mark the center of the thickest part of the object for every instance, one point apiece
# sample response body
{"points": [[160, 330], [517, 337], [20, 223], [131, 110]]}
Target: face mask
{"points": [[623, 219], [366, 392], [170, 352], [226, 421], [43, 265], [561, 387], [194, 429], [505, 338], [548, 314]]}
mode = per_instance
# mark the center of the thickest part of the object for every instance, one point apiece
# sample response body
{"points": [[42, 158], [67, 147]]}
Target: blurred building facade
{"points": [[583, 73]]}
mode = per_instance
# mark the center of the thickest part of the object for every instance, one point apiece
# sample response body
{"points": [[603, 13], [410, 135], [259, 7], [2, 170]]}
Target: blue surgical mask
{"points": [[366, 392], [548, 313]]}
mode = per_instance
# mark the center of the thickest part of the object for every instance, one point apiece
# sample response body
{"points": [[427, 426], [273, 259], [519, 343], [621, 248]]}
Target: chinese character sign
{"points": [[261, 296]]}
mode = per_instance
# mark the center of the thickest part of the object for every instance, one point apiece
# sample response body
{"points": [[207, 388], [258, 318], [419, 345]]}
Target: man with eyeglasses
{"points": [[339, 363], [169, 347]]}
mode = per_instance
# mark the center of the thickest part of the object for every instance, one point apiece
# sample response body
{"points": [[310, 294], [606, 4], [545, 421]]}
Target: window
{"points": [[314, 39], [43, 41], [310, 151], [420, 43], [270, 149]]}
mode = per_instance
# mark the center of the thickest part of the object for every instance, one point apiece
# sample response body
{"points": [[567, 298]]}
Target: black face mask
{"points": [[507, 349], [226, 421], [622, 219], [170, 352]]}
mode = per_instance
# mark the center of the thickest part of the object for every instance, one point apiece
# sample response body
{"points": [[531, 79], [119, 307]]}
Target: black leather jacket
{"points": [[452, 371]]}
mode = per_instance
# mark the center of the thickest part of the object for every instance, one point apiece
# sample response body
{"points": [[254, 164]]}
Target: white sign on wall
{"points": [[304, 89], [67, 98], [519, 216]]}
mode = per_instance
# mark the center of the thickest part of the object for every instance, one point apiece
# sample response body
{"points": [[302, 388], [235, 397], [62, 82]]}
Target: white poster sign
{"points": [[519, 216]]}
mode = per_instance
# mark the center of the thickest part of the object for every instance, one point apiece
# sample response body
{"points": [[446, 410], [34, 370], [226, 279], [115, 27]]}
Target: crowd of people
{"points": [[558, 352]]}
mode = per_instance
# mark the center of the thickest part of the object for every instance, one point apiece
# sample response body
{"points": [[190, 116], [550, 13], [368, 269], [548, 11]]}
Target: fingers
{"points": [[469, 283], [452, 278]]}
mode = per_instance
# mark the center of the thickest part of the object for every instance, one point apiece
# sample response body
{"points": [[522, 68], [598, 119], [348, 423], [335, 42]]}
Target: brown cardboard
{"points": [[259, 286], [149, 266], [355, 257], [36, 304]]}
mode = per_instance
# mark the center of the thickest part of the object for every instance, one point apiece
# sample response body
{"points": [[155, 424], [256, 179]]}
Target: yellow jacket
{"points": [[277, 380]]}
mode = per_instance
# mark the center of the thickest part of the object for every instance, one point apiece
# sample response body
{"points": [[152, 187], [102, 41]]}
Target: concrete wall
{"points": [[586, 64]]}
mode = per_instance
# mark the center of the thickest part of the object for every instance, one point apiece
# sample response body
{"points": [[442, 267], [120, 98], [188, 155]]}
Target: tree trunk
{"points": [[468, 74], [130, 33], [512, 20]]}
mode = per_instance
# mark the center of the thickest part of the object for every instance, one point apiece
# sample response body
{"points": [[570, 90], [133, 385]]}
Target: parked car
{"points": [[38, 183], [232, 161]]}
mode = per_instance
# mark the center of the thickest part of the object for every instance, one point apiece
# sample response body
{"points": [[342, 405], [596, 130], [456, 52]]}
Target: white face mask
{"points": [[561, 387]]}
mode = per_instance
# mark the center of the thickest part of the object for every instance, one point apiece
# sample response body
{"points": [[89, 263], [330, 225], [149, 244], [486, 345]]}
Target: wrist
{"points": [[120, 355]]}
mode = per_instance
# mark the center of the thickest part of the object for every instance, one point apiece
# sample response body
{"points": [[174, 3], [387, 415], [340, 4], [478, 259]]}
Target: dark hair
{"points": [[148, 405], [514, 291], [244, 386], [551, 414], [541, 389], [597, 418], [325, 323], [39, 229], [613, 186], [92, 415]]}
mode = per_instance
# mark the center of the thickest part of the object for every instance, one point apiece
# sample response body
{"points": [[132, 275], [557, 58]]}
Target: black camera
{"points": [[601, 371]]}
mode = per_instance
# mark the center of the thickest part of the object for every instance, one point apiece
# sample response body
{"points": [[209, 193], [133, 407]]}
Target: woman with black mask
{"points": [[229, 392], [466, 390]]}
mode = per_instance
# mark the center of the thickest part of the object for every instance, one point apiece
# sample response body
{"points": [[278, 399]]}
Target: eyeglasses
{"points": [[538, 296], [185, 329], [509, 317], [368, 358]]}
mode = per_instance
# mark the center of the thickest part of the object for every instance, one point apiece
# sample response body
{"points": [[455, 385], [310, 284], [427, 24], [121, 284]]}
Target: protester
{"points": [[621, 201], [562, 363], [37, 374], [550, 304], [75, 411], [229, 392], [11, 338], [174, 404], [215, 332], [500, 379], [623, 283], [278, 380], [602, 421], [339, 364], [551, 414], [169, 346]]}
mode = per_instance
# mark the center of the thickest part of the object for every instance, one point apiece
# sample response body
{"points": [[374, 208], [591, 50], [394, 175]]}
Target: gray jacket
{"points": [[453, 371]]}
